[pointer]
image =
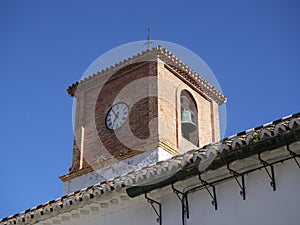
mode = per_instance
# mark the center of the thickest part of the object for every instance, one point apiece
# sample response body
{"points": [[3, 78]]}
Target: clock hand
{"points": [[113, 123], [116, 118], [114, 112]]}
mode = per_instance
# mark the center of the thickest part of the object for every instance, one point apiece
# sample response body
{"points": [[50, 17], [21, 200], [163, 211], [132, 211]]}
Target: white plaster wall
{"points": [[262, 205], [137, 162]]}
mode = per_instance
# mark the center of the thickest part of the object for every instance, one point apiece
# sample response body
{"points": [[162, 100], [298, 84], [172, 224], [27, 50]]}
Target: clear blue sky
{"points": [[253, 48]]}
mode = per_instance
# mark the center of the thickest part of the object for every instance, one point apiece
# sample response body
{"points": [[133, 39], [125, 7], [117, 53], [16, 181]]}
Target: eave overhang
{"points": [[244, 152], [168, 58]]}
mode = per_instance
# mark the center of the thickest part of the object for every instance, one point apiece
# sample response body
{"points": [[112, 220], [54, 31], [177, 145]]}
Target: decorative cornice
{"points": [[115, 159], [100, 165], [167, 148], [170, 59]]}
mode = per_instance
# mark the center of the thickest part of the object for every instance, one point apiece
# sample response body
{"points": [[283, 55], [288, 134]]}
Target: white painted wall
{"points": [[262, 205], [137, 162]]}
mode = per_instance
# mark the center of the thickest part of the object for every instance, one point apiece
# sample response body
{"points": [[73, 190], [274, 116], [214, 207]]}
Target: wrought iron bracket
{"points": [[294, 155], [241, 183], [271, 173], [212, 192], [183, 197], [157, 211]]}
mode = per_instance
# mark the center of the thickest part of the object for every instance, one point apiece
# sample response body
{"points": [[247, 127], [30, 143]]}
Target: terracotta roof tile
{"points": [[172, 61]]}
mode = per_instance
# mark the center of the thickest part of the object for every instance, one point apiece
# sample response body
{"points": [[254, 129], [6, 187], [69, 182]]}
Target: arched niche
{"points": [[189, 117]]}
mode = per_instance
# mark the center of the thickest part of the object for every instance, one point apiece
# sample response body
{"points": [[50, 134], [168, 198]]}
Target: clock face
{"points": [[116, 116]]}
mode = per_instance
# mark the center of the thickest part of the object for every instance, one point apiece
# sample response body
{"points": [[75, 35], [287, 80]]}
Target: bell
{"points": [[186, 121]]}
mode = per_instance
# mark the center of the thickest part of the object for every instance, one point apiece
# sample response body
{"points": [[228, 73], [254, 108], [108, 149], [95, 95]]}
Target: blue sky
{"points": [[252, 47]]}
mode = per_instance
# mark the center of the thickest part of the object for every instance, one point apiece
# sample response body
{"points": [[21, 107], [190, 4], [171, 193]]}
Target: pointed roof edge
{"points": [[169, 58]]}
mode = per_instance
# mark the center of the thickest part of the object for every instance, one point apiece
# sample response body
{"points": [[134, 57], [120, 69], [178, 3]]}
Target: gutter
{"points": [[221, 160]]}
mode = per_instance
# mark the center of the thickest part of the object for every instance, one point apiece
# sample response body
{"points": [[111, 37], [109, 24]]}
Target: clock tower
{"points": [[144, 109]]}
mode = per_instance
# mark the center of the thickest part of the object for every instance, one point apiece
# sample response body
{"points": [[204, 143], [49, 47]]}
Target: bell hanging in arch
{"points": [[186, 121]]}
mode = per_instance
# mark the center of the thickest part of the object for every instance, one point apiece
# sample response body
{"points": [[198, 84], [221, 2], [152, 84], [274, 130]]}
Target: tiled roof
{"points": [[203, 158], [169, 58]]}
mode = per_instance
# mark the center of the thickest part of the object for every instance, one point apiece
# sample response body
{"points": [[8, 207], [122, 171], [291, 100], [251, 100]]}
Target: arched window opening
{"points": [[189, 117]]}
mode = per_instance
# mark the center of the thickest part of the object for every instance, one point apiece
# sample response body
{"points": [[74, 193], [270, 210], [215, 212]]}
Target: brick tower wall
{"points": [[94, 143], [170, 85]]}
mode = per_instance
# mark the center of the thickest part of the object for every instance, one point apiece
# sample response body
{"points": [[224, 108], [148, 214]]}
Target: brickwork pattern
{"points": [[155, 118]]}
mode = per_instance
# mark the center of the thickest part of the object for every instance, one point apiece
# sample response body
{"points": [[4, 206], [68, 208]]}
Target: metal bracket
{"points": [[184, 204], [157, 211], [241, 184], [294, 155], [270, 174], [211, 193]]}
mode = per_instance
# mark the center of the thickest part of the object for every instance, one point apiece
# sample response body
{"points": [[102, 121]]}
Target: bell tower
{"points": [[144, 109]]}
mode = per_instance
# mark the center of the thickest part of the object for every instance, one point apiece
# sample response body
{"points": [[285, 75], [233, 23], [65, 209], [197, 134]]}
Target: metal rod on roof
{"points": [[148, 38]]}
